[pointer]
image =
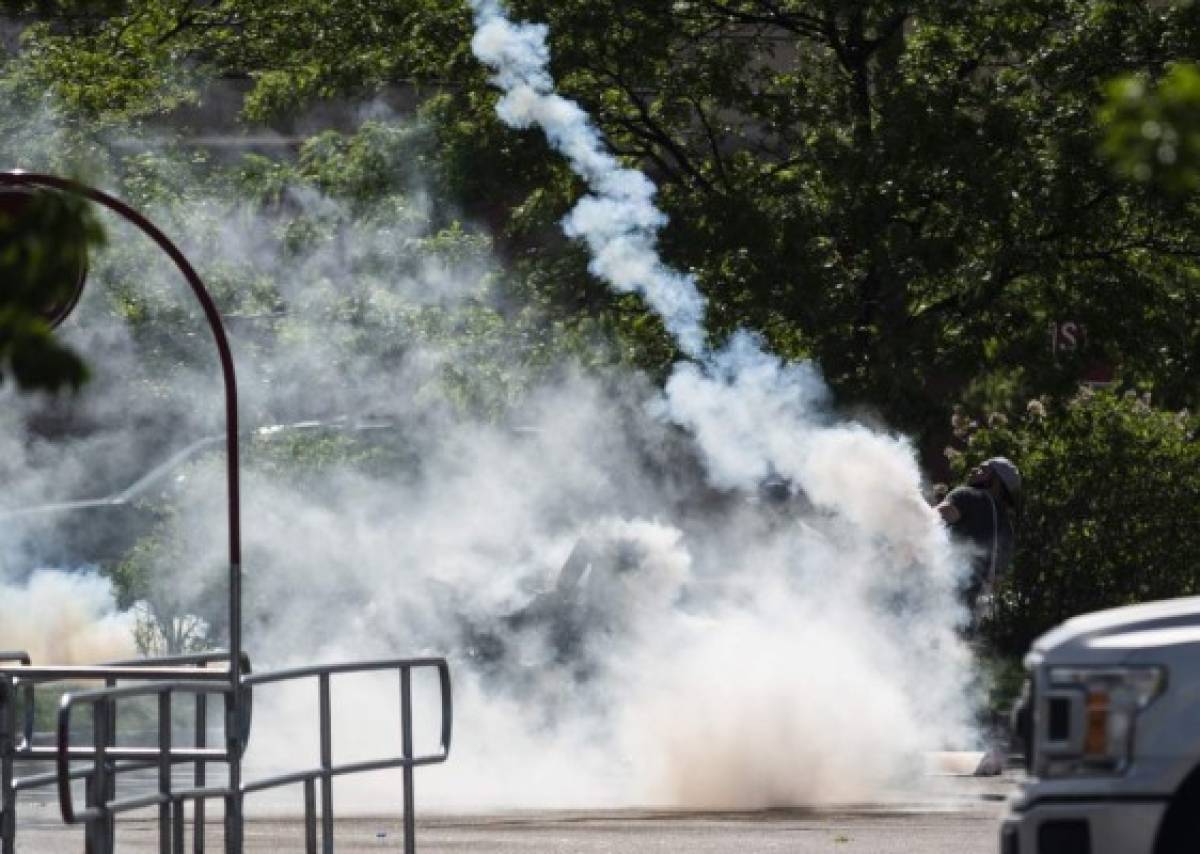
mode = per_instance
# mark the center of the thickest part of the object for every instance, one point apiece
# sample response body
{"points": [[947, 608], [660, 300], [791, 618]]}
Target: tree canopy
{"points": [[909, 192]]}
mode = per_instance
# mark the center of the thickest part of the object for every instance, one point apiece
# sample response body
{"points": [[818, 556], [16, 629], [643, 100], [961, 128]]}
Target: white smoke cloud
{"points": [[618, 219], [64, 618], [870, 663], [712, 651]]}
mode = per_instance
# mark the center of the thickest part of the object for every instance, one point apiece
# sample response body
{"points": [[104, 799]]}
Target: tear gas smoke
{"points": [[618, 220], [65, 618], [849, 640], [626, 625]]}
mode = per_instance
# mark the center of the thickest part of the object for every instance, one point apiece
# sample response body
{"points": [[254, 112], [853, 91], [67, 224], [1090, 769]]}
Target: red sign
{"points": [[1070, 336]]}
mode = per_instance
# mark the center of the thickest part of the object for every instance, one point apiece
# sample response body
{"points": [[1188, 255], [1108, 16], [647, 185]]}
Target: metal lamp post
{"points": [[17, 180], [161, 679]]}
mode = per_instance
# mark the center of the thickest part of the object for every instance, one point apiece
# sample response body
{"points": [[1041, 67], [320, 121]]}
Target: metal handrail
{"points": [[170, 800], [194, 658], [103, 700], [73, 672], [37, 781], [16, 739]]}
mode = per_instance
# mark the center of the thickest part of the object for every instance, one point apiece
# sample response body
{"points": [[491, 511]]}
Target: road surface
{"points": [[959, 816]]}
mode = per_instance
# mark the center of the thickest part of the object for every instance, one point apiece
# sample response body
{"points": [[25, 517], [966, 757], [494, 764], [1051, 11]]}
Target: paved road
{"points": [[959, 817]]}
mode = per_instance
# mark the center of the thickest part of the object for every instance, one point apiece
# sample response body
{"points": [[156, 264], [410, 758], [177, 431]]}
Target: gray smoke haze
{"points": [[65, 617], [713, 651], [884, 602]]}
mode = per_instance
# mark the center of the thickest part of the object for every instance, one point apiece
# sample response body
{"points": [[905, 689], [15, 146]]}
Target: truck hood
{"points": [[1115, 634]]}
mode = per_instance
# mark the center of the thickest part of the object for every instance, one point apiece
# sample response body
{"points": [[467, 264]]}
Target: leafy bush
{"points": [[1112, 495]]}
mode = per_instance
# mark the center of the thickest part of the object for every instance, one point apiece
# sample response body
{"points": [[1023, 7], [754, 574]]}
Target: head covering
{"points": [[1004, 469], [774, 490]]}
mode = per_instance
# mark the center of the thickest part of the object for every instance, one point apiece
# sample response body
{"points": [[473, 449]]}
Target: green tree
{"points": [[1112, 492], [44, 241], [907, 190]]}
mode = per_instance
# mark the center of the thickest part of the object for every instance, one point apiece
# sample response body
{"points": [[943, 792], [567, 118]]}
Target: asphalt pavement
{"points": [[956, 815]]}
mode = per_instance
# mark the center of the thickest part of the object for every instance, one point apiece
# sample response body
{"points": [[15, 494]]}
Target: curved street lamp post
{"points": [[20, 180], [22, 675]]}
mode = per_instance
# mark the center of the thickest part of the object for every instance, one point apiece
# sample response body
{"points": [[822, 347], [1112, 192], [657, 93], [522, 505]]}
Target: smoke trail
{"points": [[859, 610], [748, 662], [751, 413], [618, 220]]}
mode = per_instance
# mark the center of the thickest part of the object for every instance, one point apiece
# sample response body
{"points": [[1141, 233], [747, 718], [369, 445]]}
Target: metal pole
{"points": [[200, 774], [326, 764], [177, 835], [90, 846], [410, 824], [233, 841], [8, 798], [310, 816], [110, 787], [165, 835], [98, 841]]}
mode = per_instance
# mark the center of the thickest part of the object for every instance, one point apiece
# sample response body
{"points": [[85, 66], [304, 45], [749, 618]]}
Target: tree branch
{"points": [[652, 131], [714, 147], [794, 22]]}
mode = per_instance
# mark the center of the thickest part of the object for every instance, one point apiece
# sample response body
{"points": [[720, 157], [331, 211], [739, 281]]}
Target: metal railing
{"points": [[18, 719], [102, 803], [103, 806]]}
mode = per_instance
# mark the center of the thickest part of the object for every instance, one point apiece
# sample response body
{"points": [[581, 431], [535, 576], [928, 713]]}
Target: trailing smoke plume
{"points": [[618, 219], [885, 601]]}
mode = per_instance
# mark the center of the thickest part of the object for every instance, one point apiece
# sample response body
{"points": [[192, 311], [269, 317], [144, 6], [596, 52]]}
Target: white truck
{"points": [[1110, 721]]}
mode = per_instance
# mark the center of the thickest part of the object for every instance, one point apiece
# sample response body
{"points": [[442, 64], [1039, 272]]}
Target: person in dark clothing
{"points": [[983, 512]]}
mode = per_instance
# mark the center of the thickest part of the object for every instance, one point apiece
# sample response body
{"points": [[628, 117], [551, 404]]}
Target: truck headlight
{"points": [[1087, 714]]}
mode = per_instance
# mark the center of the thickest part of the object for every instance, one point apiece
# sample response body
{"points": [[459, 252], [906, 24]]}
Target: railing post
{"points": [[8, 798], [177, 823], [310, 816], [326, 764], [199, 776], [165, 835], [410, 825], [98, 840], [110, 787]]}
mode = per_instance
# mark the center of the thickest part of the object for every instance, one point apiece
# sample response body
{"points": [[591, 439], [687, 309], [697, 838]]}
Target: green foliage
{"points": [[1112, 492], [170, 619], [44, 241], [906, 191], [1153, 131]]}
